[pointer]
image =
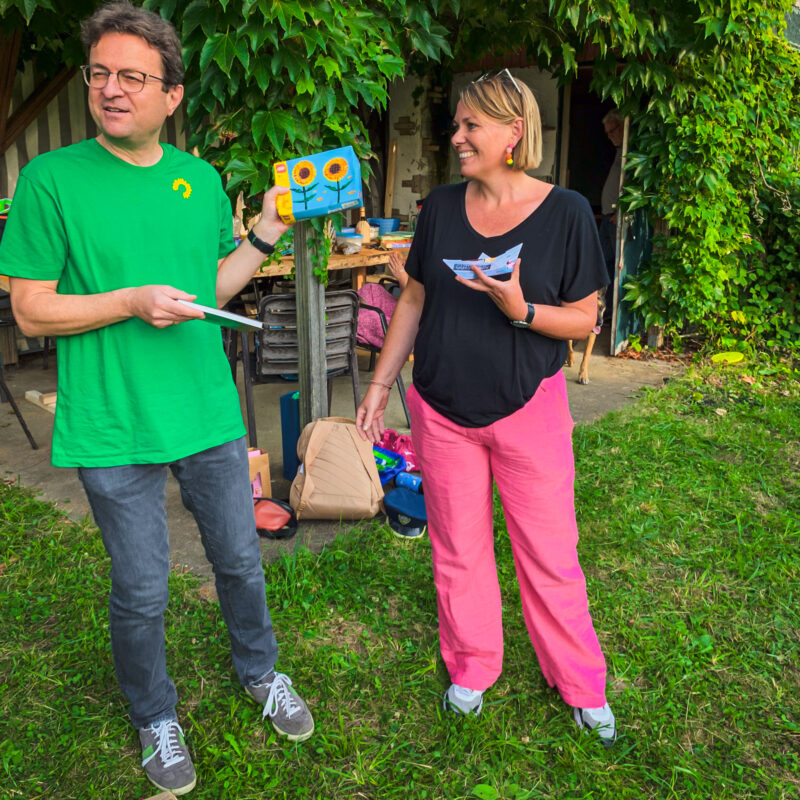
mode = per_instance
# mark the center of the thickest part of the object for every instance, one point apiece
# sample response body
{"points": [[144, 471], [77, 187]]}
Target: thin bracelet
{"points": [[385, 385]]}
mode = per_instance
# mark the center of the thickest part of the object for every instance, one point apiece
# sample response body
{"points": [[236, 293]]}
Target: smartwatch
{"points": [[525, 323], [265, 247]]}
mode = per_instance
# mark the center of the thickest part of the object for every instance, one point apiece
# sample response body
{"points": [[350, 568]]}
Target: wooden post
{"points": [[310, 332], [391, 165]]}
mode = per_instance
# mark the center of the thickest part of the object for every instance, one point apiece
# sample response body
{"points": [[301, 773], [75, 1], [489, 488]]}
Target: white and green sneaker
{"points": [[461, 700], [165, 757], [600, 720], [285, 708]]}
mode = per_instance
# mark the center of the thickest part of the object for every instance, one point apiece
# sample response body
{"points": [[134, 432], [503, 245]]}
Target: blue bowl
{"points": [[385, 224]]}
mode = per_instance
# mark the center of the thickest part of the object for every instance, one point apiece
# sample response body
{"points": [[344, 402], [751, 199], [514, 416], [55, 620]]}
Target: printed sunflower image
{"points": [[336, 171], [326, 182], [303, 173]]}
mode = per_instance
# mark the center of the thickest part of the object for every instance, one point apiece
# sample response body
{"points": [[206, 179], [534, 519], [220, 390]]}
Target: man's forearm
{"points": [[46, 313], [236, 269]]}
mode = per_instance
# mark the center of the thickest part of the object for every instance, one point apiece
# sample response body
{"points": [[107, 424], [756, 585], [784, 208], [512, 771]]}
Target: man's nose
{"points": [[112, 89]]}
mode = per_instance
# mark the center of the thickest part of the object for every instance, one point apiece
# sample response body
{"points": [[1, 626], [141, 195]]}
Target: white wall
{"points": [[407, 124]]}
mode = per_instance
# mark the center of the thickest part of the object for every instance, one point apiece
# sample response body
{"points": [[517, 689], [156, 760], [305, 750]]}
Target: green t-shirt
{"points": [[129, 393]]}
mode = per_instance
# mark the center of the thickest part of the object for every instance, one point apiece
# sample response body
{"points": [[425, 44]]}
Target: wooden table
{"points": [[358, 263]]}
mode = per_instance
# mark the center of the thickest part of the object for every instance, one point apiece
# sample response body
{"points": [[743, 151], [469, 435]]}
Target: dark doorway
{"points": [[590, 153]]}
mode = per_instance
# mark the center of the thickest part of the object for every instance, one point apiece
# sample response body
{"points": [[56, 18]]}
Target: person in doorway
{"points": [[489, 399], [614, 127], [128, 229]]}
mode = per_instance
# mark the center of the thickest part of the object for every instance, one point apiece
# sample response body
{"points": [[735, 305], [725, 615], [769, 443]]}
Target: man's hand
{"points": [[158, 305], [271, 227], [506, 295]]}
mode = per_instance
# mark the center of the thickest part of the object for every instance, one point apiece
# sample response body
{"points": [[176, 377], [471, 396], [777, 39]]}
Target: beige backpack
{"points": [[338, 478]]}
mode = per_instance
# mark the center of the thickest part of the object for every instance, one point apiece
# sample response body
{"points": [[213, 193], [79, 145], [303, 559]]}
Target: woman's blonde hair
{"points": [[503, 98]]}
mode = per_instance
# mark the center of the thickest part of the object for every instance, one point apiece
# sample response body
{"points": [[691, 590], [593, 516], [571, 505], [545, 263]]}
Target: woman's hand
{"points": [[397, 266], [506, 295], [369, 417]]}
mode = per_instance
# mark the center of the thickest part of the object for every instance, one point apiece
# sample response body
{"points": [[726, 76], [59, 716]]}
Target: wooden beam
{"points": [[33, 105], [312, 373], [391, 165], [45, 401], [563, 139], [9, 56]]}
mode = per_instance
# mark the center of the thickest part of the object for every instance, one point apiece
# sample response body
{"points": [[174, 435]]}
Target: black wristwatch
{"points": [[525, 323], [265, 247]]}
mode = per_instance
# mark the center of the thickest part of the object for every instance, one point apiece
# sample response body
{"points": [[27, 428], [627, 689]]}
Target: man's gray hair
{"points": [[124, 17], [613, 116]]}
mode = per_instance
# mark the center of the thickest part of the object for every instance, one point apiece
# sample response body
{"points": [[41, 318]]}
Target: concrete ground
{"points": [[613, 384]]}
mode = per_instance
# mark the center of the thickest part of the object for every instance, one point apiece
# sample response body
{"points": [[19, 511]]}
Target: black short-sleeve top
{"points": [[470, 364]]}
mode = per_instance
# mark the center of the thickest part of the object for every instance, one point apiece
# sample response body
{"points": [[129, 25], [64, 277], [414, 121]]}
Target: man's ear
{"points": [[174, 97]]}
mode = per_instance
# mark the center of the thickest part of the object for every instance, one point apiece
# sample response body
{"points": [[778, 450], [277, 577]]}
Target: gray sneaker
{"points": [[461, 700], [599, 720], [166, 758], [285, 708]]}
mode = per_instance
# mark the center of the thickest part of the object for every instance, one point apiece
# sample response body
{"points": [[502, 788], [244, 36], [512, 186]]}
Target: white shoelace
{"points": [[168, 743], [279, 693]]}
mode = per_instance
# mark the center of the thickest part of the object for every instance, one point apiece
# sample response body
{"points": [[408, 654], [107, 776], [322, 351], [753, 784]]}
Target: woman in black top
{"points": [[489, 398]]}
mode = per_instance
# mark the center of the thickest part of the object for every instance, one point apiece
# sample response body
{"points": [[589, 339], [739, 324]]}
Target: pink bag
{"points": [[400, 443], [369, 323]]}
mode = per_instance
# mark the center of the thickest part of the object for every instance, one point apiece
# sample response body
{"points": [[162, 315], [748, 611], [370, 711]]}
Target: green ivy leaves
{"points": [[270, 80]]}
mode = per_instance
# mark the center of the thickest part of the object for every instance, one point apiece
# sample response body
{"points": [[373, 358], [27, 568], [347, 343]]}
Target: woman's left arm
{"points": [[566, 321]]}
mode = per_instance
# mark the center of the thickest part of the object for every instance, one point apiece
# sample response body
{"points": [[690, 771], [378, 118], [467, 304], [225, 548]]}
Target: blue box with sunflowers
{"points": [[319, 184]]}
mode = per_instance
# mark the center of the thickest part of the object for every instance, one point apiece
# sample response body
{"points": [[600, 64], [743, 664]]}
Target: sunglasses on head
{"points": [[502, 73]]}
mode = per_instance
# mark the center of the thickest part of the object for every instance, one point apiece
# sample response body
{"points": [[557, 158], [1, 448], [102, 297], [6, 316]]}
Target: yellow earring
{"points": [[509, 157]]}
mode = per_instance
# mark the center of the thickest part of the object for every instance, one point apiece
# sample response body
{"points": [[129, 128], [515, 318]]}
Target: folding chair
{"points": [[5, 392], [274, 356]]}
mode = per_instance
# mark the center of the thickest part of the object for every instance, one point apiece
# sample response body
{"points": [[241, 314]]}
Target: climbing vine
{"points": [[712, 88]]}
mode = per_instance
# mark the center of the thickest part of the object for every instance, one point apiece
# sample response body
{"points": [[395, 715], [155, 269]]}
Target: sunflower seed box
{"points": [[318, 184]]}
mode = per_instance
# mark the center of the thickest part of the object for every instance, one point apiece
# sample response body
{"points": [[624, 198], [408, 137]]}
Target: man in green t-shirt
{"points": [[126, 227]]}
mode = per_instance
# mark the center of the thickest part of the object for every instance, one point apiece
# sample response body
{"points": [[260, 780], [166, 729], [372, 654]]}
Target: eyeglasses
{"points": [[129, 80], [503, 73]]}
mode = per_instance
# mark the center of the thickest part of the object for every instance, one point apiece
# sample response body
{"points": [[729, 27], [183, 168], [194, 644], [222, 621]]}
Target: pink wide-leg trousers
{"points": [[529, 455]]}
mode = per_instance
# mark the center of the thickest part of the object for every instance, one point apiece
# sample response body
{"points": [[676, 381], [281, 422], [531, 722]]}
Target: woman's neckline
{"points": [[522, 222]]}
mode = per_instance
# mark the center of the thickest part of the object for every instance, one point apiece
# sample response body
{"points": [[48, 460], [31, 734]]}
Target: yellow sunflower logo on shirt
{"points": [[179, 183]]}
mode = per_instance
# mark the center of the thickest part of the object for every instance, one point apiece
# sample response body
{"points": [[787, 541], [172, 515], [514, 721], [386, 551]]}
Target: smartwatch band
{"points": [[265, 247]]}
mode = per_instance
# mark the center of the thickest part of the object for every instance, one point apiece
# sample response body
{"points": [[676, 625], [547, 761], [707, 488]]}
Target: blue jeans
{"points": [[129, 507]]}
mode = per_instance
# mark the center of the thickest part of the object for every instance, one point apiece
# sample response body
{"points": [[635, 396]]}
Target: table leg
{"points": [[358, 275]]}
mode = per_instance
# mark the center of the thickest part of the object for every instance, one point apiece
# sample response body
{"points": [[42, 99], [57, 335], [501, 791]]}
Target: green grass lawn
{"points": [[689, 512]]}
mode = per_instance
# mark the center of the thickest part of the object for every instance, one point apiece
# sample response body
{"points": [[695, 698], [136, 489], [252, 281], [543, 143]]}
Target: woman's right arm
{"points": [[395, 351]]}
